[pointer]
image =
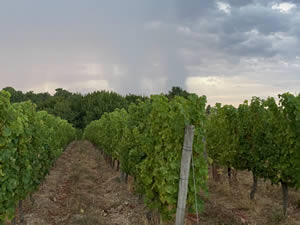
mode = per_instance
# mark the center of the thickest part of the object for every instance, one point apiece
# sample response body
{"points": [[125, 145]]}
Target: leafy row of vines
{"points": [[30, 142], [147, 141], [262, 137]]}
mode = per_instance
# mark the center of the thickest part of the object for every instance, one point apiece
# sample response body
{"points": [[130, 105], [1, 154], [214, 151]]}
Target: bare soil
{"points": [[82, 189], [231, 205]]}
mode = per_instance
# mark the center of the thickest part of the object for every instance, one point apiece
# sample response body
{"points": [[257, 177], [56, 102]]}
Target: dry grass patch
{"points": [[265, 209], [86, 220]]}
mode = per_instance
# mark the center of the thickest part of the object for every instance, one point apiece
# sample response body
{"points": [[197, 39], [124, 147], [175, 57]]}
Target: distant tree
{"points": [[177, 91], [40, 99], [99, 102], [16, 96], [208, 109], [59, 92], [74, 107], [78, 107], [68, 106], [132, 98]]}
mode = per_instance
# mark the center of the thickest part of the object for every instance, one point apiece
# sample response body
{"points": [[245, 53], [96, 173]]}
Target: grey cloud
{"points": [[242, 3], [239, 3], [293, 1], [160, 43], [264, 19], [250, 45], [187, 10], [252, 31]]}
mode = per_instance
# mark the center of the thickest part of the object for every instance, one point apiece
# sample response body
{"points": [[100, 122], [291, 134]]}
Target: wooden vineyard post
{"points": [[184, 174]]}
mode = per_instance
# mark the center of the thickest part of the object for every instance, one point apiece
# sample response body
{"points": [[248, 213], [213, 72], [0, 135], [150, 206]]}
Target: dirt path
{"points": [[82, 190]]}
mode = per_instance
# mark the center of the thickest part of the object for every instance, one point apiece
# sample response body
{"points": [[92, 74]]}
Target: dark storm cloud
{"points": [[258, 17], [98, 33], [254, 30], [141, 46]]}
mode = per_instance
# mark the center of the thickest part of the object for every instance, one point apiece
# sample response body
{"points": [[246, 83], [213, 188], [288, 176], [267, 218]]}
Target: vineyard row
{"points": [[30, 142]]}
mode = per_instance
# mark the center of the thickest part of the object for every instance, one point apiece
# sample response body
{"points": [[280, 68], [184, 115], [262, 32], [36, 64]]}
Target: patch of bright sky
{"points": [[227, 90], [225, 7], [284, 7]]}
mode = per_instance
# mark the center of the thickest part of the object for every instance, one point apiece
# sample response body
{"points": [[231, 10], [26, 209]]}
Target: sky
{"points": [[228, 50]]}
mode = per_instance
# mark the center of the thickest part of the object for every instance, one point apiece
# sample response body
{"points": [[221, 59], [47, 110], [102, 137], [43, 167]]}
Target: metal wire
{"points": [[196, 202]]}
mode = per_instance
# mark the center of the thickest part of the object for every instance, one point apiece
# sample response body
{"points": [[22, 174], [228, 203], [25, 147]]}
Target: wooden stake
{"points": [[184, 174]]}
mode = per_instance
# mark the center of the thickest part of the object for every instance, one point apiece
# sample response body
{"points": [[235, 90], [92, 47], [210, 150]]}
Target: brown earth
{"points": [[82, 189], [231, 205]]}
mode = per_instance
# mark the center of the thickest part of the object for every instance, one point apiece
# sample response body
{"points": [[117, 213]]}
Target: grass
{"points": [[227, 202], [276, 217]]}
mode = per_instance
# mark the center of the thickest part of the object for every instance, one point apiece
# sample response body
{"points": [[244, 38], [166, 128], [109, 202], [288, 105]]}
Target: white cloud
{"points": [[284, 7], [230, 90], [225, 7]]}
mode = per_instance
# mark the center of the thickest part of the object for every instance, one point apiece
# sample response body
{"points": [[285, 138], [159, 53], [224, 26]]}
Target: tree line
{"points": [[81, 109]]}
